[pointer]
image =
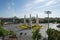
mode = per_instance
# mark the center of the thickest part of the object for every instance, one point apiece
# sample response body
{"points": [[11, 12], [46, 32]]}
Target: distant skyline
{"points": [[19, 8]]}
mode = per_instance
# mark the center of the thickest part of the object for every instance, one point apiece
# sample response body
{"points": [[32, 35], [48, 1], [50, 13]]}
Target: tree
{"points": [[58, 37], [12, 33], [2, 22], [58, 21], [19, 21], [36, 34], [27, 20], [3, 33], [53, 34]]}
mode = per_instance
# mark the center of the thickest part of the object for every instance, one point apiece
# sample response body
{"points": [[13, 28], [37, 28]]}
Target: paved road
{"points": [[28, 36]]}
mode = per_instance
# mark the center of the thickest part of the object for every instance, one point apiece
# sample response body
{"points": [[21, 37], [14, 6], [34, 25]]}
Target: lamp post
{"points": [[48, 12]]}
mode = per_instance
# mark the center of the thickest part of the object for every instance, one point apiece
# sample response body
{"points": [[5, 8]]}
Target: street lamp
{"points": [[48, 12]]}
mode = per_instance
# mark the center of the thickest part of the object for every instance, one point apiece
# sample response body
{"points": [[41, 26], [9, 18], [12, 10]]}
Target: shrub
{"points": [[24, 26]]}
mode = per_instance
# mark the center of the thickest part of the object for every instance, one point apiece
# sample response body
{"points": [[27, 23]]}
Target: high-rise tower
{"points": [[37, 19]]}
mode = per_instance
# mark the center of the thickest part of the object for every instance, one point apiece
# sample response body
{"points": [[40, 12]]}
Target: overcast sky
{"points": [[19, 8]]}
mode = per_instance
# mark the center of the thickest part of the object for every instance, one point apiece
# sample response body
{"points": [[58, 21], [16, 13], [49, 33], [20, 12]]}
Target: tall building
{"points": [[30, 21], [37, 20], [25, 19]]}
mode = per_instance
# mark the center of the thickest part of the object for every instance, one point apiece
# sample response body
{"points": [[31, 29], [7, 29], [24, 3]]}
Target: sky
{"points": [[19, 8]]}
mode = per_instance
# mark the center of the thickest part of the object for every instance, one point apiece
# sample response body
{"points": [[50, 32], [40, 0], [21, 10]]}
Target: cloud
{"points": [[9, 6], [31, 4], [51, 2], [31, 7], [38, 1], [13, 3]]}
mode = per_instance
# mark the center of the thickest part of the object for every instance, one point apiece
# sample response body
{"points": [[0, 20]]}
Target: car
{"points": [[58, 26]]}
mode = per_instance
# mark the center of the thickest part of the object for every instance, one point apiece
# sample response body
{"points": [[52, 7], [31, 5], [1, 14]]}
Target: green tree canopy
{"points": [[36, 34], [53, 34]]}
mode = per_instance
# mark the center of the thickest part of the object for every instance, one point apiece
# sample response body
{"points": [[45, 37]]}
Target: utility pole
{"points": [[48, 12]]}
